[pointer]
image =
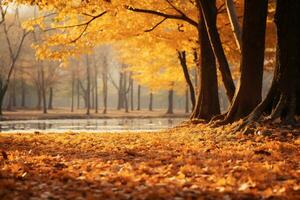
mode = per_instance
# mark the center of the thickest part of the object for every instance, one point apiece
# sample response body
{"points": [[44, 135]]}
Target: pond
{"points": [[90, 125]]}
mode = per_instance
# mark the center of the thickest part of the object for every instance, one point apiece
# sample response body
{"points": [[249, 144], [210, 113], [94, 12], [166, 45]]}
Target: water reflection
{"points": [[100, 125]]}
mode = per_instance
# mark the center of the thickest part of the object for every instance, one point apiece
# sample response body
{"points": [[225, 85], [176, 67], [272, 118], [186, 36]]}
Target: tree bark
{"points": [[208, 10], [170, 102], [282, 97], [151, 102], [249, 93], [131, 93], [207, 104], [187, 102], [88, 92], [139, 98], [105, 89], [23, 92], [43, 89], [72, 91], [120, 92], [235, 26], [182, 58], [50, 103]]}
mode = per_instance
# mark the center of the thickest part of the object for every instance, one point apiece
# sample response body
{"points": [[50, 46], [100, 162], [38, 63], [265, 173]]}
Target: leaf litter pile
{"points": [[194, 162]]}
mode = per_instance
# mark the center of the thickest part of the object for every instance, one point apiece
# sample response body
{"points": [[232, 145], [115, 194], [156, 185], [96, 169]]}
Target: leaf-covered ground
{"points": [[184, 163]]}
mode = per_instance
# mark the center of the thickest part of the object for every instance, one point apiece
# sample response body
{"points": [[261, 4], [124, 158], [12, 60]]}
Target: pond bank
{"points": [[81, 114]]}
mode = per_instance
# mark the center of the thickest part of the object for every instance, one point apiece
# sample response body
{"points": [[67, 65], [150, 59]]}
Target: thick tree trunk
{"points": [[207, 104], [50, 103], [208, 10], [249, 93], [151, 102], [182, 58], [282, 97], [139, 98]]}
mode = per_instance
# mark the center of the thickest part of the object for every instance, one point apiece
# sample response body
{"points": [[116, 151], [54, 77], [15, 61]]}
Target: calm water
{"points": [[97, 125]]}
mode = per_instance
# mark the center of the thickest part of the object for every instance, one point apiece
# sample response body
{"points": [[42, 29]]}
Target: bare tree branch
{"points": [[168, 16]]}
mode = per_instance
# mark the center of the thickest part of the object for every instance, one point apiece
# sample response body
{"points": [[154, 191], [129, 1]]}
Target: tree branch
{"points": [[165, 15]]}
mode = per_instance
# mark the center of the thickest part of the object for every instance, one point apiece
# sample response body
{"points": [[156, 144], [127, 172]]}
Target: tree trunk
{"points": [[14, 92], [88, 90], [170, 101], [44, 98], [96, 85], [78, 93], [131, 93], [286, 82], [187, 102], [207, 104], [104, 92], [23, 93], [50, 103], [72, 91], [235, 26], [39, 98], [120, 92], [151, 102], [209, 11], [139, 98], [3, 90], [125, 92], [249, 93], [182, 58]]}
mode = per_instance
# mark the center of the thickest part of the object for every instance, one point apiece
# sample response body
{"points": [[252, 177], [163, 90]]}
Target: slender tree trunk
{"points": [[14, 88], [187, 102], [209, 11], [207, 104], [196, 72], [88, 91], [44, 98], [96, 85], [78, 93], [72, 91], [23, 92], [120, 92], [151, 102], [131, 93], [170, 102], [249, 93], [3, 90], [235, 26], [104, 92], [50, 103], [139, 98], [39, 98], [125, 92], [182, 58]]}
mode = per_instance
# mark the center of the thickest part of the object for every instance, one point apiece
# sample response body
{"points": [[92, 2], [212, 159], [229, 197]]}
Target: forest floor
{"points": [[63, 113], [188, 162]]}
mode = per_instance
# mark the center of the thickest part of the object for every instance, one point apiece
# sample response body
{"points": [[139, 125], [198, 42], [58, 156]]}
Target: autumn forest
{"points": [[157, 99]]}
